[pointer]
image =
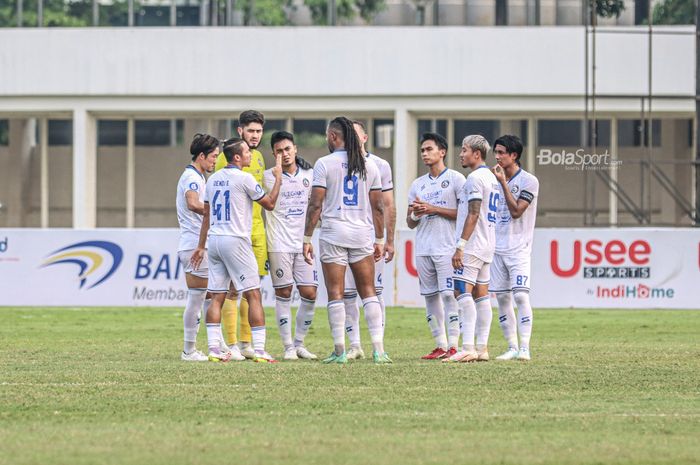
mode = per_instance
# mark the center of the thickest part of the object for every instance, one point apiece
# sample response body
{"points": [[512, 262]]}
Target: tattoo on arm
{"points": [[474, 207]]}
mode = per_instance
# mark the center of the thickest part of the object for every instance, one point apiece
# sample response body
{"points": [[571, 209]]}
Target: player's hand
{"points": [[277, 170], [309, 253], [378, 252], [197, 257], [388, 252], [421, 208], [498, 172], [457, 259]]}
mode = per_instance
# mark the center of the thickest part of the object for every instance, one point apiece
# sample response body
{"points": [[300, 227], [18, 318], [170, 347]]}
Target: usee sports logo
{"points": [[612, 259], [97, 260]]}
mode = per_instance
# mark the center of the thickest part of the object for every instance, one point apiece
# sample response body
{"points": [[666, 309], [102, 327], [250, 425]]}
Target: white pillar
{"points": [[614, 147], [130, 173], [531, 145], [84, 169], [405, 161], [22, 141], [44, 170]]}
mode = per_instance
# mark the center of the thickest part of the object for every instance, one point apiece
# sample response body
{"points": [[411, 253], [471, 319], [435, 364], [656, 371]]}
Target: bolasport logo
{"points": [[596, 259]]}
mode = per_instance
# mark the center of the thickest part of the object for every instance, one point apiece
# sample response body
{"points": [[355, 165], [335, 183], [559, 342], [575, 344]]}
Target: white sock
{"points": [[381, 302], [452, 316], [352, 319], [436, 320], [214, 337], [373, 315], [305, 315], [522, 300], [190, 317], [259, 335], [484, 316], [336, 319], [205, 309], [506, 319], [466, 304], [283, 315]]}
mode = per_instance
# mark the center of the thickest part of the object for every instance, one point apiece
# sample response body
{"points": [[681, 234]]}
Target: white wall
{"points": [[347, 61]]}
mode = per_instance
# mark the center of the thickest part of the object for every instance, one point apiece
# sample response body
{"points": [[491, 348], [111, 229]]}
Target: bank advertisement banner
{"points": [[580, 268]]}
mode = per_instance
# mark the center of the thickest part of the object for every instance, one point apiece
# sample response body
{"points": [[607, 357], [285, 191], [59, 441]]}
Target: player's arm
{"points": [[269, 200], [193, 202], [412, 219], [516, 207], [421, 208], [313, 214], [198, 254], [389, 223], [467, 230], [376, 201]]}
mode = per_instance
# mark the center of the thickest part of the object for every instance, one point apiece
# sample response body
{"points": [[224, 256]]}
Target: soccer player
{"points": [[227, 223], [250, 128], [285, 233], [190, 208], [510, 270], [348, 187], [476, 242], [352, 311], [433, 210]]}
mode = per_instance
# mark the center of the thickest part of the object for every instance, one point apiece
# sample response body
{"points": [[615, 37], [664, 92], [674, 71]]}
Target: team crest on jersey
{"points": [[194, 186], [258, 189], [514, 190], [279, 272], [445, 184], [305, 182]]}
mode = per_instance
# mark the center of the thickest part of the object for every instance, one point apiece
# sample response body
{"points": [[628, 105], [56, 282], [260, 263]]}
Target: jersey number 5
{"points": [[350, 189], [217, 205]]}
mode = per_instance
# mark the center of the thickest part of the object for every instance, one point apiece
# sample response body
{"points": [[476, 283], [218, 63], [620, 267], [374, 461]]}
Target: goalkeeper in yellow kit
{"points": [[250, 129]]}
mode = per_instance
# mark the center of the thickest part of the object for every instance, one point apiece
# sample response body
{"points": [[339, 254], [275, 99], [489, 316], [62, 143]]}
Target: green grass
{"points": [[85, 386]]}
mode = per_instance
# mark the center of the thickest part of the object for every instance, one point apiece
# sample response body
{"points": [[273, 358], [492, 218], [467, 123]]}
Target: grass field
{"points": [[85, 386]]}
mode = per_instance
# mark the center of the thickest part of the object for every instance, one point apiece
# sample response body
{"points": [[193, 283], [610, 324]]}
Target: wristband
{"points": [[414, 217], [307, 239], [379, 240], [461, 244]]}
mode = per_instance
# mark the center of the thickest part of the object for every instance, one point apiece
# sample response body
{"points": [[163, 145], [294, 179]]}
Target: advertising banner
{"points": [[579, 268]]}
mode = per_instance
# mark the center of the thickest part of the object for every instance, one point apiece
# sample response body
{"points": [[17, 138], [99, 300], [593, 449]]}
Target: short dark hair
{"points": [[233, 146], [512, 145], [279, 136], [250, 116], [202, 143], [440, 141]]}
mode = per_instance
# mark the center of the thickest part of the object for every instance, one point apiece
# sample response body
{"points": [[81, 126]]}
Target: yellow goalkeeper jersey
{"points": [[256, 168]]}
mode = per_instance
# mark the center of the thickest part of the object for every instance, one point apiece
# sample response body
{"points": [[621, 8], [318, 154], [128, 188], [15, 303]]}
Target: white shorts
{"points": [[331, 253], [378, 278], [231, 259], [474, 271], [510, 273], [202, 272], [435, 274], [288, 268]]}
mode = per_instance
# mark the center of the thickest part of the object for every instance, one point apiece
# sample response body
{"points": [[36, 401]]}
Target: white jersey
{"points": [[435, 234], [285, 224], [190, 222], [346, 215], [384, 172], [481, 185], [514, 236], [230, 195]]}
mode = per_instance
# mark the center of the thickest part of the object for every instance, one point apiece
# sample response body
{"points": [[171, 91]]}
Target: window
{"points": [[463, 128], [383, 136], [111, 132], [559, 133], [432, 125], [4, 132], [152, 132], [60, 132], [633, 133]]}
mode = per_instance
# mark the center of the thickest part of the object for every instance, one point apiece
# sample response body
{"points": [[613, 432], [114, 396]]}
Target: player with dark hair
{"points": [[190, 207], [347, 197]]}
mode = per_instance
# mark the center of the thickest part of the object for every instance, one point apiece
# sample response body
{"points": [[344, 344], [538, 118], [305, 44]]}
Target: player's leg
{"points": [[520, 270], [229, 317], [334, 262], [218, 287], [281, 265], [446, 280], [245, 336], [362, 266], [484, 312], [196, 293], [500, 285], [306, 279], [379, 286], [466, 280], [427, 279], [352, 317]]}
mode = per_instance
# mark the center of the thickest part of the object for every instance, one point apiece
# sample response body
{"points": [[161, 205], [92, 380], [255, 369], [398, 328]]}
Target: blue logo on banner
{"points": [[92, 257]]}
